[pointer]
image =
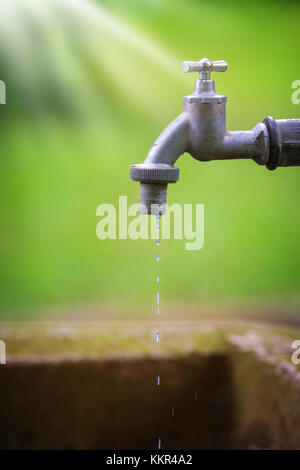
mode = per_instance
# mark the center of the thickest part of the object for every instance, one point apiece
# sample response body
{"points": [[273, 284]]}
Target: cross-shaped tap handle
{"points": [[205, 67]]}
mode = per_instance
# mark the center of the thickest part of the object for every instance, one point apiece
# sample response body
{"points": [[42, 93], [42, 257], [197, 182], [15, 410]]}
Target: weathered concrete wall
{"points": [[115, 404], [267, 393]]}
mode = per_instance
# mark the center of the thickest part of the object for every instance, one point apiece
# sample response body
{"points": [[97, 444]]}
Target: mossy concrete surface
{"points": [[224, 384], [71, 340]]}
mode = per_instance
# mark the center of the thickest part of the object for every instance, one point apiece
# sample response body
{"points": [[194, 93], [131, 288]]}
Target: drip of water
{"points": [[159, 443], [158, 278], [157, 296], [158, 223], [158, 241], [157, 336], [158, 380], [173, 411], [158, 310], [157, 257]]}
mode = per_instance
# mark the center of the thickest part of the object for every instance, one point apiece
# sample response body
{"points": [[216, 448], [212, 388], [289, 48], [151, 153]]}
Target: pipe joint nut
{"points": [[154, 173]]}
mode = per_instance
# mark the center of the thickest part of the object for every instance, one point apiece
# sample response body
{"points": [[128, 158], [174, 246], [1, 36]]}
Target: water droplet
{"points": [[158, 223], [157, 296], [158, 380], [159, 443], [157, 336], [173, 411], [157, 257], [158, 278], [196, 396], [158, 310]]}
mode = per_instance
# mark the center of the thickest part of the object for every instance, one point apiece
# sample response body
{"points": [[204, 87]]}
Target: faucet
{"points": [[201, 131]]}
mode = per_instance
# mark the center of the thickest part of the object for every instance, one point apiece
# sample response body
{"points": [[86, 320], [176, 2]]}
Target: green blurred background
{"points": [[90, 85]]}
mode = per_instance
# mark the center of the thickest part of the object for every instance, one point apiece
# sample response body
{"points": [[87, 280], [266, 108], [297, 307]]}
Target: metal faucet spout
{"points": [[158, 170], [171, 143]]}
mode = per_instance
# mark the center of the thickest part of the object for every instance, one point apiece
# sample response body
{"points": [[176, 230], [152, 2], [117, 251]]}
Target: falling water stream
{"points": [[157, 334], [156, 309]]}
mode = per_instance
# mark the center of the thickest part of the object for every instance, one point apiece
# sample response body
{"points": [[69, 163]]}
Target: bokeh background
{"points": [[90, 85]]}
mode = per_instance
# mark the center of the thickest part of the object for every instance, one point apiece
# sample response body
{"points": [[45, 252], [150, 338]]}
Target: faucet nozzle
{"points": [[153, 198], [154, 181]]}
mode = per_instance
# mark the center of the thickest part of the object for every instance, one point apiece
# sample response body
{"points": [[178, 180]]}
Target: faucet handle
{"points": [[205, 67]]}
